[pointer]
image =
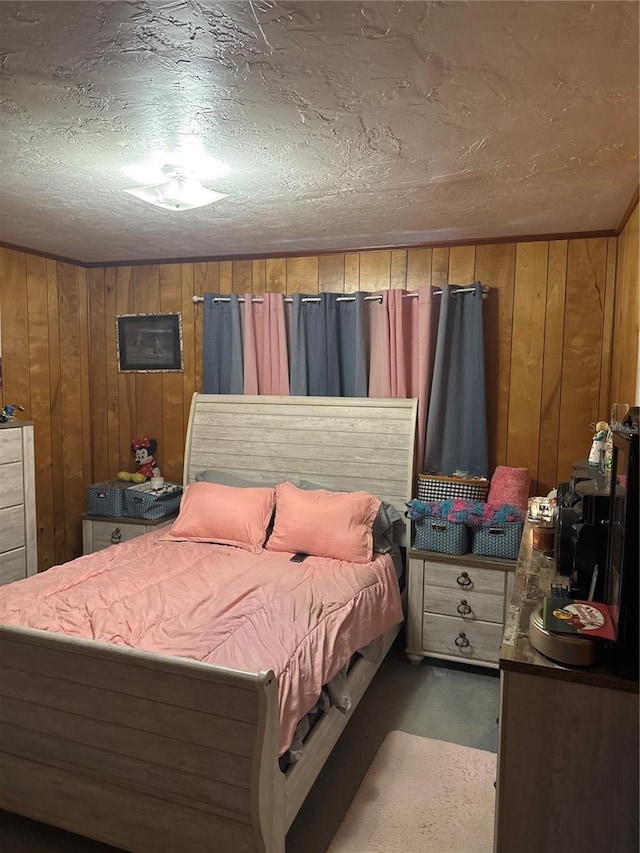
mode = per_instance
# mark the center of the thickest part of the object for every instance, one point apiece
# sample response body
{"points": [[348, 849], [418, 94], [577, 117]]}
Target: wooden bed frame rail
{"points": [[142, 751], [151, 753]]}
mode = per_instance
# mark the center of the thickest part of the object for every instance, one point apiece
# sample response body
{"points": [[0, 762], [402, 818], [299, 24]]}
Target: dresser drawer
{"points": [[105, 532], [11, 445], [466, 606], [11, 528], [464, 578], [476, 640], [13, 565], [97, 535], [11, 484]]}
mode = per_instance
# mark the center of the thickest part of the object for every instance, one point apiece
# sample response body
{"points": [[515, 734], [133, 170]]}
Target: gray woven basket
{"points": [[445, 537], [106, 498], [501, 539], [144, 501]]}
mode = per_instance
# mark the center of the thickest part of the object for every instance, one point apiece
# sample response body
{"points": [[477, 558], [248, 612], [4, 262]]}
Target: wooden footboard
{"points": [[145, 752], [150, 752]]}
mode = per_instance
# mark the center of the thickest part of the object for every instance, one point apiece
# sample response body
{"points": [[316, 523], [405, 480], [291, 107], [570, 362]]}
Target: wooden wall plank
{"points": [[226, 276], [98, 374], [604, 406], [462, 264], [276, 272], [38, 316], [495, 267], [258, 276], [69, 322], [626, 322], [527, 351], [191, 320], [418, 268], [399, 275], [352, 272], [242, 276], [172, 434], [15, 331], [127, 426], [57, 428], [302, 275], [375, 271], [146, 300], [439, 266], [206, 279], [331, 273], [581, 358], [83, 367], [110, 344], [548, 475]]}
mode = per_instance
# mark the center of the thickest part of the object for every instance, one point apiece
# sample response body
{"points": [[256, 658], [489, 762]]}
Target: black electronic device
{"points": [[580, 545], [622, 569], [298, 558]]}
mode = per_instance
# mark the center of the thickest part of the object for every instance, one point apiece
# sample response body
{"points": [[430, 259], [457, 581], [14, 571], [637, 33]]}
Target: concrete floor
{"points": [[444, 702]]}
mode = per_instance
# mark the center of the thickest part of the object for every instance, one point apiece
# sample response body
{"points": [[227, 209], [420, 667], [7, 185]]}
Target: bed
{"points": [[153, 752]]}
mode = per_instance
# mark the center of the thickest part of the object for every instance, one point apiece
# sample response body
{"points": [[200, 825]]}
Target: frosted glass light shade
{"points": [[181, 192]]}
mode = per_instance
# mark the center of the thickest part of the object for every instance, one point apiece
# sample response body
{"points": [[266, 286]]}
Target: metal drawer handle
{"points": [[461, 640], [463, 608], [464, 580], [116, 536]]}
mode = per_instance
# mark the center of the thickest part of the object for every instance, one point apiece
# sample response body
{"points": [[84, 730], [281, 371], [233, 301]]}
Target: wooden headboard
{"points": [[341, 443]]}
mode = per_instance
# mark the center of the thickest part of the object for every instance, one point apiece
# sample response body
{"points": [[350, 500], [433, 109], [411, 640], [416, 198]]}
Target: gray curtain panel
{"points": [[457, 419], [328, 346], [222, 370]]}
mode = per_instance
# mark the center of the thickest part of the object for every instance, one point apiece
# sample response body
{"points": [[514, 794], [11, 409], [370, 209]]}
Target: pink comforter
{"points": [[219, 605]]}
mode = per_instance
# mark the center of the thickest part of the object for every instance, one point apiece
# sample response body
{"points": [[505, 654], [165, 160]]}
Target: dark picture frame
{"points": [[149, 343]]}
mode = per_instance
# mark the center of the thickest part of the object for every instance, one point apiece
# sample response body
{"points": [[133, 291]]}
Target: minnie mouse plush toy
{"points": [[144, 451]]}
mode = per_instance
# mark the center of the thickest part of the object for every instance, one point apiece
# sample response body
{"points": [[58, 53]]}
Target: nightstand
{"points": [[100, 532], [457, 607]]}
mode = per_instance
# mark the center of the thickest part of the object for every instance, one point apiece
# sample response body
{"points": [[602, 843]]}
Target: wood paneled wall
{"points": [[549, 317], [45, 368]]}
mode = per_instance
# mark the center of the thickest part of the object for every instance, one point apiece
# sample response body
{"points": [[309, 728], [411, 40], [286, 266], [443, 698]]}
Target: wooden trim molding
{"points": [[310, 252]]}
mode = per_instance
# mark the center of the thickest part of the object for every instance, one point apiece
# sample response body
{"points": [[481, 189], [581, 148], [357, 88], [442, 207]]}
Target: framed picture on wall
{"points": [[149, 343]]}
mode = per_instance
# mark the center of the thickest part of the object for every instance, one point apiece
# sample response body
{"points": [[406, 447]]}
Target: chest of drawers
{"points": [[100, 532], [18, 531], [457, 607]]}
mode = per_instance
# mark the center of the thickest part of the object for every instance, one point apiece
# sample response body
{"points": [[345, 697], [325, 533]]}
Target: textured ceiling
{"points": [[345, 124]]}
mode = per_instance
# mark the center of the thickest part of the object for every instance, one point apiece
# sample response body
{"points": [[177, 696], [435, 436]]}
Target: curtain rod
{"points": [[197, 299]]}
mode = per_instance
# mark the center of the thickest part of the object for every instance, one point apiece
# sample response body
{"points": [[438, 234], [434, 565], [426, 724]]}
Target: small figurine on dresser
{"points": [[599, 446]]}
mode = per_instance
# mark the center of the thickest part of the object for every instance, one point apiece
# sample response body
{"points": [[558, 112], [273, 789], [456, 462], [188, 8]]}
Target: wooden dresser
{"points": [[457, 607], [18, 531], [568, 749]]}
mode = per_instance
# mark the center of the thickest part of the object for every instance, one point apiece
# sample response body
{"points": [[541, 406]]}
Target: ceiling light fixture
{"points": [[179, 191]]}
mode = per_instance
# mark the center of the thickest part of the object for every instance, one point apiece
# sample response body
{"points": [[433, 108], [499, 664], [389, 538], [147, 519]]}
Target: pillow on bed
{"points": [[324, 524], [223, 478], [227, 515], [387, 517]]}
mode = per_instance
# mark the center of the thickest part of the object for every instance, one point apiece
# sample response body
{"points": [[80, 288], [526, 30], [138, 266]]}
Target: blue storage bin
{"points": [[497, 539], [445, 537]]}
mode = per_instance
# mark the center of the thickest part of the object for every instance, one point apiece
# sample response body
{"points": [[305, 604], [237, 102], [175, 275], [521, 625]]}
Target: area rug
{"points": [[422, 796]]}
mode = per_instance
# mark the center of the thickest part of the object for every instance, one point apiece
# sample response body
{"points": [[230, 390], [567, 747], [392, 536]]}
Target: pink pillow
{"points": [[325, 524], [224, 514], [509, 486]]}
